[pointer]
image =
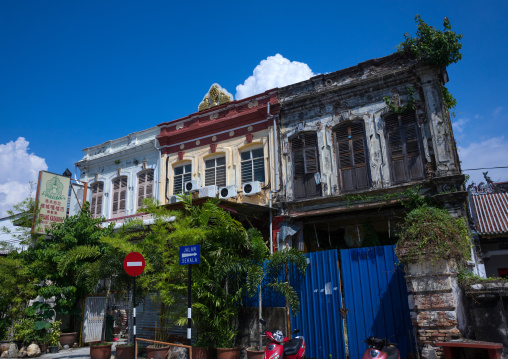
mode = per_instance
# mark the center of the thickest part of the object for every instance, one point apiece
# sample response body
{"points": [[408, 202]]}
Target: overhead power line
{"points": [[485, 168]]}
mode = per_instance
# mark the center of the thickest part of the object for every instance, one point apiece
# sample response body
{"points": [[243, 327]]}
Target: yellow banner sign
{"points": [[52, 194]]}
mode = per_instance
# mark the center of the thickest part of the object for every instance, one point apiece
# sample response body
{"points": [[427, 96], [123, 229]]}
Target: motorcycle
{"points": [[281, 347], [380, 349]]}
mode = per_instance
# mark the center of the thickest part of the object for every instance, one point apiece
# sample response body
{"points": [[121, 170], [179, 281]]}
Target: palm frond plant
{"points": [[267, 268]]}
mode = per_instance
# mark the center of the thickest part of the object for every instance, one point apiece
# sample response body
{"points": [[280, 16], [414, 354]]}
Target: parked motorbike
{"points": [[380, 349], [281, 347]]}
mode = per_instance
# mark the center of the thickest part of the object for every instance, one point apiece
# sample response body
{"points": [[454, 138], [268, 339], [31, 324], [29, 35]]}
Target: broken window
{"points": [[96, 200], [404, 149], [215, 172], [119, 196], [352, 159], [145, 185], [306, 177]]}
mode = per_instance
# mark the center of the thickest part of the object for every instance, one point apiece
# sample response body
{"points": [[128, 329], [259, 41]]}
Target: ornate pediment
{"points": [[215, 96]]}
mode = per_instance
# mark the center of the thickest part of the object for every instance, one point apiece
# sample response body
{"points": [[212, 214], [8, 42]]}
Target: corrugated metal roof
{"points": [[491, 213]]}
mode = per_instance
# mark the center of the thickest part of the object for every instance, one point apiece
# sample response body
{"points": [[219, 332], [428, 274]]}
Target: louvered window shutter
{"points": [[352, 157], [404, 148], [145, 186], [96, 201], [119, 196], [305, 165]]}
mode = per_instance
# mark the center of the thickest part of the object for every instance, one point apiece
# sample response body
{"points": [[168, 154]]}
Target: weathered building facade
{"points": [[121, 173], [344, 150]]}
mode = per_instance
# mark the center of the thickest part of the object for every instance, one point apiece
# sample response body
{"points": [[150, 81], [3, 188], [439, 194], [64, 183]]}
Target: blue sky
{"points": [[74, 74]]}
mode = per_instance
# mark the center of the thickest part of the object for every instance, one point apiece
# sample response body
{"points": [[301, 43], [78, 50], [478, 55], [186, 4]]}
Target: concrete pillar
{"points": [[435, 303]]}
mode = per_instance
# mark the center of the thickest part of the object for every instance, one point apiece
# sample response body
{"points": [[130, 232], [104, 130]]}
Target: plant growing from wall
{"points": [[433, 232], [409, 106]]}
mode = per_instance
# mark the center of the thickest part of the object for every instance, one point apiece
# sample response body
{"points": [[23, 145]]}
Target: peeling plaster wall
{"points": [[322, 102]]}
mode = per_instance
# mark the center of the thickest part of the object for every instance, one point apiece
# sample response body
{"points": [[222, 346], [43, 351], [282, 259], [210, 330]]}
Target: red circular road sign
{"points": [[134, 264]]}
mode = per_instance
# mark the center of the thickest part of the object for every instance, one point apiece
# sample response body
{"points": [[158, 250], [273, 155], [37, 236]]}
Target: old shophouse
{"points": [[345, 151], [224, 150], [120, 174]]}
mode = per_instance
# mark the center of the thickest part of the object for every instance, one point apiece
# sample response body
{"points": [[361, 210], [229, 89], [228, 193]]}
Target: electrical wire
{"points": [[485, 168]]}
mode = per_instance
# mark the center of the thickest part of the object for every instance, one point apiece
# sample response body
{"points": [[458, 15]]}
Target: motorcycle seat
{"points": [[292, 347]]}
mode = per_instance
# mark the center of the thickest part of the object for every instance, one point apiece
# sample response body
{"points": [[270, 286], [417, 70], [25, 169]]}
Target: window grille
{"points": [[253, 165], [181, 175], [215, 172]]}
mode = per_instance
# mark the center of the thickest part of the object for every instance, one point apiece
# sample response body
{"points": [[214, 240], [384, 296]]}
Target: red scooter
{"points": [[281, 347], [380, 349]]}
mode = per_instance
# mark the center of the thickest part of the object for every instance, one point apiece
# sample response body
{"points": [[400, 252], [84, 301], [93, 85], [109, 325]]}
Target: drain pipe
{"points": [[167, 180], [274, 164], [157, 173]]}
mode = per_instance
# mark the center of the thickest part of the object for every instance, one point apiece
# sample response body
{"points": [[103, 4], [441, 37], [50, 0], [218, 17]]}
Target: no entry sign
{"points": [[134, 264]]}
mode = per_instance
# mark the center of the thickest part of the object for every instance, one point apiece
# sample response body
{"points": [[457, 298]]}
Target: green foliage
{"points": [[18, 287], [467, 278], [449, 101], [59, 259], [409, 106], [54, 333], [434, 232], [432, 46]]}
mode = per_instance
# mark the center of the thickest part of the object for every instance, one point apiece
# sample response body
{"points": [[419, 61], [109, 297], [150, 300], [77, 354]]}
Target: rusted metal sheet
{"points": [[491, 212]]}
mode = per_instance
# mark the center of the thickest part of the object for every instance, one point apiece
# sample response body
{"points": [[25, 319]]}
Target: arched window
{"points": [[96, 200], [403, 140], [215, 172], [119, 196], [145, 185], [306, 178], [253, 165], [352, 156], [181, 174]]}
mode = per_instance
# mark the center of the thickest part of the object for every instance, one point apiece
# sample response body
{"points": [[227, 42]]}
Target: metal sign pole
{"points": [[189, 308], [134, 310]]}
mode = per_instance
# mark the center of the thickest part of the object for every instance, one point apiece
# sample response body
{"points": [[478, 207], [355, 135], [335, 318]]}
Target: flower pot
{"points": [[53, 349], [125, 351], [101, 351], [157, 353], [201, 353], [252, 353], [43, 347], [68, 339], [228, 353]]}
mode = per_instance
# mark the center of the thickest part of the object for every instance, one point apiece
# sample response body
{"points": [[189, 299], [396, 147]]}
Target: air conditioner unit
{"points": [[192, 186], [173, 199], [227, 192], [208, 191], [251, 188]]}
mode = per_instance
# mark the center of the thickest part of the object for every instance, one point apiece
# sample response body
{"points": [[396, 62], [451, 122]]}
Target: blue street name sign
{"points": [[190, 254]]}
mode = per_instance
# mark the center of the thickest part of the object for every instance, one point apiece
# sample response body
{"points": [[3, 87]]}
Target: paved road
{"points": [[76, 353]]}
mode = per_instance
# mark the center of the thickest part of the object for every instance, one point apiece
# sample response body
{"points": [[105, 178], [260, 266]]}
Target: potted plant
{"points": [[125, 351], [100, 350], [54, 336]]}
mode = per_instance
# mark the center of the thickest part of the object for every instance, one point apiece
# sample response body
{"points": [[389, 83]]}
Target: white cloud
{"points": [[497, 111], [275, 71], [458, 125], [488, 153], [18, 167]]}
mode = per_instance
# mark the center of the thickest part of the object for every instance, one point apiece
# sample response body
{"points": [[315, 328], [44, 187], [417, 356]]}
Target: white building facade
{"points": [[121, 173]]}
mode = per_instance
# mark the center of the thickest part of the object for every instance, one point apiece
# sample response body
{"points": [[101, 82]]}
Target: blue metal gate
{"points": [[375, 295], [319, 319]]}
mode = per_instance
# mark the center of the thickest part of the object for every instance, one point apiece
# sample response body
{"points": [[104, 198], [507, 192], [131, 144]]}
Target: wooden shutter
{"points": [[305, 165], [96, 204], [404, 148], [352, 157], [145, 186], [119, 196]]}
